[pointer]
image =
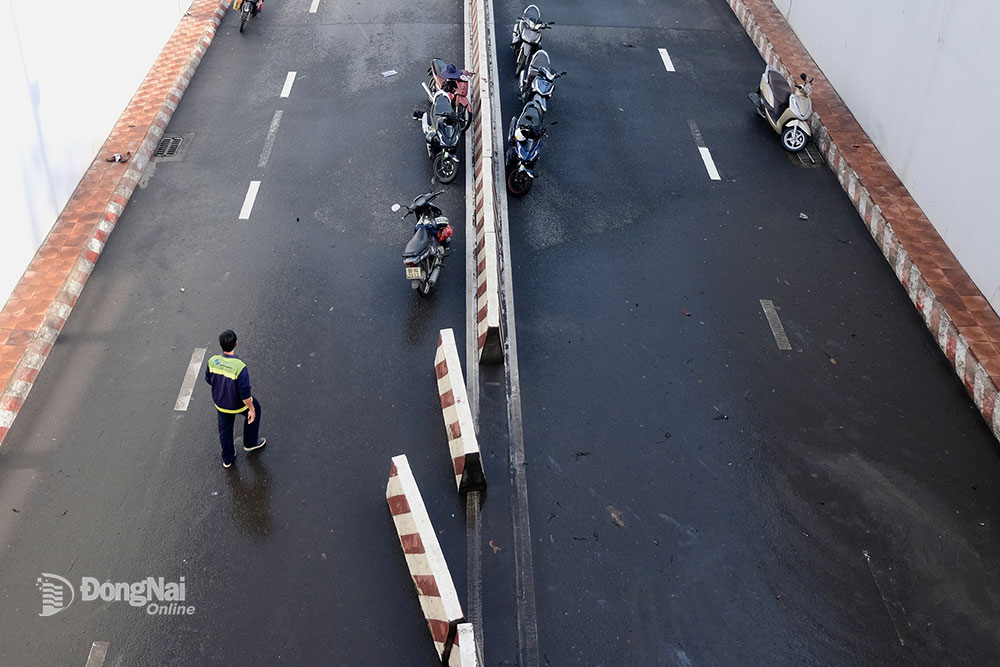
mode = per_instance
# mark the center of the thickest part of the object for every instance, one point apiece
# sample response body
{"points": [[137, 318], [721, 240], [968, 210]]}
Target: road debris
{"points": [[685, 312], [389, 72], [616, 516], [118, 157], [495, 547], [628, 46], [803, 216]]}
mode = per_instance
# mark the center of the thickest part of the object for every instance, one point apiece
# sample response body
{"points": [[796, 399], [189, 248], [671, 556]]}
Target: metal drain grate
{"points": [[168, 146], [807, 157], [172, 147]]}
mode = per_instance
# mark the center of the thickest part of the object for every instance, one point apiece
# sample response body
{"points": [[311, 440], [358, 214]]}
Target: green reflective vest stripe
{"points": [[230, 367]]}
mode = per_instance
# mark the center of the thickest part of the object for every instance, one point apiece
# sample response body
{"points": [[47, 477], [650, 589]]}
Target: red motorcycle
{"points": [[454, 82]]}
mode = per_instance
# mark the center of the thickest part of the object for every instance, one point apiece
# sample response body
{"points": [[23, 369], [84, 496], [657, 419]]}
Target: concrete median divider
{"points": [[462, 442], [486, 164], [425, 560]]}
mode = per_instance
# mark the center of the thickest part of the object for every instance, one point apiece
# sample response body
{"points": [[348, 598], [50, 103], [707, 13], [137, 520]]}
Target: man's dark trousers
{"points": [[250, 431]]}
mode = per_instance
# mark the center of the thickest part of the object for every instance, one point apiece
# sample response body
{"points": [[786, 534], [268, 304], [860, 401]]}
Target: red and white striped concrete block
{"points": [[486, 166], [31, 362], [969, 369], [431, 577], [463, 654], [462, 441]]}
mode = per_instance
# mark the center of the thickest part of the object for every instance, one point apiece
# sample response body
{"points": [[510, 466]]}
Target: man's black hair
{"points": [[227, 339]]}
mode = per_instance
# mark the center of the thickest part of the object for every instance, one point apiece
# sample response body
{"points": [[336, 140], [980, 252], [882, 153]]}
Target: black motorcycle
{"points": [[442, 130], [248, 9], [524, 141], [424, 254]]}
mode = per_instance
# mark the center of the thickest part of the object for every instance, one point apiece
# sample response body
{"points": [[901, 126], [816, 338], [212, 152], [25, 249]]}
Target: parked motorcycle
{"points": [[524, 141], [424, 254], [442, 131], [526, 36], [787, 111], [538, 80], [454, 82], [247, 10]]}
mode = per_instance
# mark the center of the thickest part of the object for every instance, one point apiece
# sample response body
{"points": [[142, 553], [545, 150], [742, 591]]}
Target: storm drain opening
{"points": [[172, 147], [809, 156]]}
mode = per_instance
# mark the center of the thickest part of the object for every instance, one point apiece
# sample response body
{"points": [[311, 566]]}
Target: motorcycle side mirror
{"points": [[802, 76]]}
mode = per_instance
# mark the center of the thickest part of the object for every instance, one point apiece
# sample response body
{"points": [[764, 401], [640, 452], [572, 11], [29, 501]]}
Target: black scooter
{"points": [[424, 254], [524, 141], [442, 130]]}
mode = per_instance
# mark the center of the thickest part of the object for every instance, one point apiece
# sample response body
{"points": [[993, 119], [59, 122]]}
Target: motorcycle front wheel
{"points": [[518, 182], [244, 18], [793, 139], [445, 168]]}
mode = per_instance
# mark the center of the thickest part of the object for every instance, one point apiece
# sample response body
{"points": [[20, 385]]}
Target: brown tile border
{"points": [[41, 302], [960, 318]]}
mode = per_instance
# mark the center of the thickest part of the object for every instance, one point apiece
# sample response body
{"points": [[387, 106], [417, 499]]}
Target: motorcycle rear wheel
{"points": [[445, 168], [424, 290], [518, 182]]}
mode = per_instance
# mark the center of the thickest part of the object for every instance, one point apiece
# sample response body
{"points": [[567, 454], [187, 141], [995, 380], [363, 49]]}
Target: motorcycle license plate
{"points": [[414, 273]]}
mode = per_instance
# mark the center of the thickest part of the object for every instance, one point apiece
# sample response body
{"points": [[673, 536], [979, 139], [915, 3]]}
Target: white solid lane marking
{"points": [[98, 653], [190, 377], [706, 157], [314, 6], [250, 199], [772, 318], [265, 154], [666, 60], [287, 88]]}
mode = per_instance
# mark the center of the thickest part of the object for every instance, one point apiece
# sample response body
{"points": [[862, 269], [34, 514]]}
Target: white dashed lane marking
{"points": [[190, 377], [314, 6], [665, 57], [772, 318], [98, 653], [249, 200], [265, 154], [287, 88], [706, 155]]}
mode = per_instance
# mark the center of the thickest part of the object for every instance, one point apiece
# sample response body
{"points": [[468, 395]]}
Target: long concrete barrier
{"points": [[487, 162], [428, 569], [462, 442]]}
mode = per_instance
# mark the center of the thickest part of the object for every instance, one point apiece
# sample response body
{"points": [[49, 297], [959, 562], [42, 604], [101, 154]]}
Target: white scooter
{"points": [[787, 111]]}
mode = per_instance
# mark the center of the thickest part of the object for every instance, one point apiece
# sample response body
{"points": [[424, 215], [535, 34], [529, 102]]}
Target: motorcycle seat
{"points": [[418, 244], [780, 88], [530, 118], [437, 66]]}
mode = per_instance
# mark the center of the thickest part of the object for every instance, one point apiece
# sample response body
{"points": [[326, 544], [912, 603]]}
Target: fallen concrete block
{"points": [[462, 441], [431, 577]]}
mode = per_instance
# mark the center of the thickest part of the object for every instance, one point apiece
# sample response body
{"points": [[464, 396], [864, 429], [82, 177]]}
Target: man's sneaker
{"points": [[260, 443], [226, 465]]}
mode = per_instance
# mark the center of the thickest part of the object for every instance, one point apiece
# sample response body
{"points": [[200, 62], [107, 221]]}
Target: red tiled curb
{"points": [[41, 302], [960, 318]]}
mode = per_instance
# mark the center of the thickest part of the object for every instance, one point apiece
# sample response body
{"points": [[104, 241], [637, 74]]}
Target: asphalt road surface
{"points": [[292, 560], [698, 496]]}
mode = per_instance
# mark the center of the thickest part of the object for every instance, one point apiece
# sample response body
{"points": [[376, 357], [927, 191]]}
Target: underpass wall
{"points": [[918, 77], [69, 70]]}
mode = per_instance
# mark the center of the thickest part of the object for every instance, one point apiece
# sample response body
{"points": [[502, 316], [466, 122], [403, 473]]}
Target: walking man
{"points": [[230, 382]]}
